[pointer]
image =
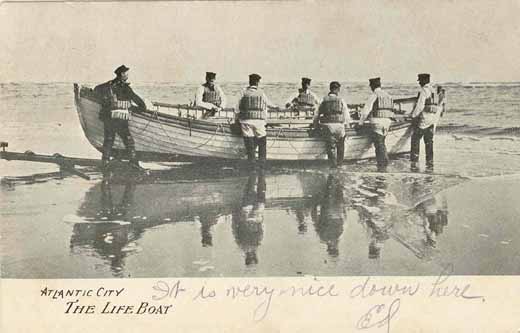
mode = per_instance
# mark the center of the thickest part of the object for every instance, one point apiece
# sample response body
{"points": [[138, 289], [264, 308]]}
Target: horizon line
{"points": [[264, 82]]}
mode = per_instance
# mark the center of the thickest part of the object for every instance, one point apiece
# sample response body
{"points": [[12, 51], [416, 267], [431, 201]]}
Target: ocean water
{"points": [[218, 221]]}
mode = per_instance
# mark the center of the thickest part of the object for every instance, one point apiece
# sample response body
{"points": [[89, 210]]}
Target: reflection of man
{"points": [[329, 225], [247, 224], [207, 221], [300, 217], [116, 212], [370, 214], [377, 240], [435, 218], [108, 238]]}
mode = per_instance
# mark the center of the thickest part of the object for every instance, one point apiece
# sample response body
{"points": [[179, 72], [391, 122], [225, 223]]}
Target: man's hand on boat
{"points": [[211, 112], [137, 109], [356, 125]]}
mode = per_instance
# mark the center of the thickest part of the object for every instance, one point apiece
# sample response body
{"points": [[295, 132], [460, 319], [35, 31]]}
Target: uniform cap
{"points": [[210, 75], [423, 77], [375, 81], [334, 85], [306, 80], [121, 69], [254, 77]]}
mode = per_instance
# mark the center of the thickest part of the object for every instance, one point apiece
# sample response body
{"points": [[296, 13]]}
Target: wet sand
{"points": [[298, 223]]}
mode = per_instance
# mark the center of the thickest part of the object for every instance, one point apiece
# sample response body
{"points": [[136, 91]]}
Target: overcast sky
{"points": [[180, 41]]}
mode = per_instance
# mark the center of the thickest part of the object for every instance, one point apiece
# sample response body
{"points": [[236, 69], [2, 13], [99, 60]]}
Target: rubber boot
{"points": [[261, 187], [381, 154], [262, 151], [415, 146], [414, 167], [105, 157], [340, 151], [429, 166], [249, 143], [134, 162], [429, 155], [331, 155]]}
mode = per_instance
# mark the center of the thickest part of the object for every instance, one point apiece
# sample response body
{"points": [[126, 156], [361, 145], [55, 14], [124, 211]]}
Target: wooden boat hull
{"points": [[159, 136]]}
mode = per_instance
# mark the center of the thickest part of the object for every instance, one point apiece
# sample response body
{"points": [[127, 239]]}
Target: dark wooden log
{"points": [[56, 158]]}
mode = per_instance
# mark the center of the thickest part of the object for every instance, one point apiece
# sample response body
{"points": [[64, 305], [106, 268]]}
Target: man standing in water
{"points": [[210, 96], [425, 116], [117, 98], [304, 97], [331, 118], [252, 106], [379, 108]]}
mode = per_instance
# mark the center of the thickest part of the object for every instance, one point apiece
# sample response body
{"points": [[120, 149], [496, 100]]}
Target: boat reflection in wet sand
{"points": [[116, 212]]}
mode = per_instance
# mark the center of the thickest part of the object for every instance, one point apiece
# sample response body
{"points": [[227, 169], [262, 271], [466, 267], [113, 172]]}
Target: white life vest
{"points": [[331, 109], [120, 114], [253, 105], [211, 96], [304, 99], [121, 110], [431, 103], [383, 107]]}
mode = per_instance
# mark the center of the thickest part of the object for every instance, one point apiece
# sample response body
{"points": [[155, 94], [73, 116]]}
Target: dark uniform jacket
{"points": [[121, 91]]}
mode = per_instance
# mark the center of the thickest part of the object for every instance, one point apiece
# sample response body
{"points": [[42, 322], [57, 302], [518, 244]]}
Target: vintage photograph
{"points": [[259, 139]]}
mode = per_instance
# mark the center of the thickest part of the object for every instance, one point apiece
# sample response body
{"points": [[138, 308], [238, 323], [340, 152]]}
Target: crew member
{"points": [[117, 98], [304, 97], [425, 116], [379, 109], [210, 96], [332, 117], [252, 106]]}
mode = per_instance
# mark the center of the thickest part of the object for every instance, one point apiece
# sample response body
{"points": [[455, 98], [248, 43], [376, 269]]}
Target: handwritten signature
{"points": [[379, 315]]}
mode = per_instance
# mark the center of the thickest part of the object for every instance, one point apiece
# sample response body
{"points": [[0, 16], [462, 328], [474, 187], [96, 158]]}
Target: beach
{"points": [[202, 221]]}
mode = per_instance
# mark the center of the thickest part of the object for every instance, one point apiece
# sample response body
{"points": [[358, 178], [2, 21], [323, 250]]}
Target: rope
{"points": [[166, 133], [290, 143], [146, 126], [219, 126], [277, 135]]}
